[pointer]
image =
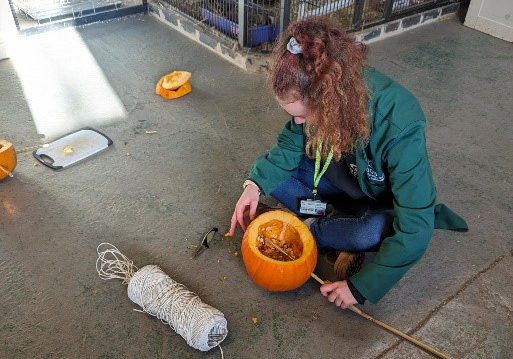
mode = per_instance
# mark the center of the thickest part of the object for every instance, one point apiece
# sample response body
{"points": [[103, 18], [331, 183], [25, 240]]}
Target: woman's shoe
{"points": [[348, 264]]}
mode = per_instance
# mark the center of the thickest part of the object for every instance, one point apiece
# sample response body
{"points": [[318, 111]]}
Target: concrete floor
{"points": [[154, 195]]}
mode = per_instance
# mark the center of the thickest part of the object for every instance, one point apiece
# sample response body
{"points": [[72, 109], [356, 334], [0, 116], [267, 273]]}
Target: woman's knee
{"points": [[351, 233]]}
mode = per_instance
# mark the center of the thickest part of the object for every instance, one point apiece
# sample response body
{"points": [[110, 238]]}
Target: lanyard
{"points": [[317, 174]]}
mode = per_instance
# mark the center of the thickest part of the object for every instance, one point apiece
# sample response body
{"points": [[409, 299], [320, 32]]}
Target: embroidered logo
{"points": [[372, 174], [353, 169]]}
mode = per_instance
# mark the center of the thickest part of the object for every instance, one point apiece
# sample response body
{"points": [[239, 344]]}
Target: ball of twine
{"points": [[201, 325]]}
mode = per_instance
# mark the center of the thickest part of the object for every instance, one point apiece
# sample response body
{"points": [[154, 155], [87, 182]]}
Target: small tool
{"points": [[207, 238]]}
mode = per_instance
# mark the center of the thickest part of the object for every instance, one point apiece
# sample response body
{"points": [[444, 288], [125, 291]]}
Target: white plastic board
{"points": [[72, 148]]}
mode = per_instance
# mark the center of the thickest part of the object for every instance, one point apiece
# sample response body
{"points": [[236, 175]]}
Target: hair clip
{"points": [[293, 47]]}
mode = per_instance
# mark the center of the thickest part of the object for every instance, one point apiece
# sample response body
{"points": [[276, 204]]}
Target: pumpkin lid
{"points": [[175, 79], [171, 94]]}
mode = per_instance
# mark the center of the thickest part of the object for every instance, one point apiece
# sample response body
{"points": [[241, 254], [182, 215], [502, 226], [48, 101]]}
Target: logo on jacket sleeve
{"points": [[372, 174]]}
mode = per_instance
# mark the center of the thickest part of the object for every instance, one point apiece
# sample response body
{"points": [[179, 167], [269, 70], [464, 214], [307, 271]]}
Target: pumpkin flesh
{"points": [[175, 79], [280, 241]]}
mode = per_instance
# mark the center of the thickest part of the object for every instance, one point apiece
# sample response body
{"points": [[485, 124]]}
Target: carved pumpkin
{"points": [[174, 85], [7, 158], [279, 251]]}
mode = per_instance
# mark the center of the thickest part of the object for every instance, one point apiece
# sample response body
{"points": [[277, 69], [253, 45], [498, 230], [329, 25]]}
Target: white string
{"points": [[202, 326], [111, 264]]}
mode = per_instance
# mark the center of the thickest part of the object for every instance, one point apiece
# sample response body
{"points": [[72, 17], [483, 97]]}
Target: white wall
{"points": [[7, 28]]}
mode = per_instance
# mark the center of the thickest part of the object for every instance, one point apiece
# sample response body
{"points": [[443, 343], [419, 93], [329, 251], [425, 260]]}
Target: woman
{"points": [[357, 141]]}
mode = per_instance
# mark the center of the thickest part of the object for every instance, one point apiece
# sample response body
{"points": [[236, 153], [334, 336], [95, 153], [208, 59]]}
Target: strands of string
{"points": [[202, 326]]}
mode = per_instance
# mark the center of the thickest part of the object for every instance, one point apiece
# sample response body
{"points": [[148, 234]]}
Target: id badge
{"points": [[312, 207]]}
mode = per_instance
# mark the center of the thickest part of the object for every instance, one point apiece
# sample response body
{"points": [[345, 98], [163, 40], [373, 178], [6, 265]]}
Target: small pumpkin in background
{"points": [[7, 159], [278, 250], [173, 85]]}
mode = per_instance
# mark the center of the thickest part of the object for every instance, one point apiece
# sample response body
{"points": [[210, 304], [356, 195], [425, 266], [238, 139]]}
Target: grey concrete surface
{"points": [[154, 195], [477, 323]]}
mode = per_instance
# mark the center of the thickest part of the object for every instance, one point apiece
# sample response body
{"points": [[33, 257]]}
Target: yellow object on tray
{"points": [[173, 85]]}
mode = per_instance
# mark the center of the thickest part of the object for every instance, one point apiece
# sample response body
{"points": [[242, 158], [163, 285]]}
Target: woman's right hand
{"points": [[249, 198]]}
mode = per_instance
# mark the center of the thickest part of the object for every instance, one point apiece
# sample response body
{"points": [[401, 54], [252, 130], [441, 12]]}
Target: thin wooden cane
{"points": [[379, 323], [7, 172], [397, 332]]}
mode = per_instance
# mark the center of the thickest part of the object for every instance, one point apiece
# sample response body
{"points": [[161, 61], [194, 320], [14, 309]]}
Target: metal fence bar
{"points": [[243, 23], [359, 6], [387, 11], [13, 11], [285, 7]]}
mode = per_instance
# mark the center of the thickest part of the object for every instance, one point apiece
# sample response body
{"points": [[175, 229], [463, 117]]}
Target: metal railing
{"points": [[257, 22], [260, 18], [358, 14], [32, 13], [253, 23]]}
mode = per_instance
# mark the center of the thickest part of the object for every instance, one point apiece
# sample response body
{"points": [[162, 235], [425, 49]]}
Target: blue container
{"points": [[256, 34]]}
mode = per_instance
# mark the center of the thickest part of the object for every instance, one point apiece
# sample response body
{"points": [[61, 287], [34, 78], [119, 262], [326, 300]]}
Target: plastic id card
{"points": [[312, 207]]}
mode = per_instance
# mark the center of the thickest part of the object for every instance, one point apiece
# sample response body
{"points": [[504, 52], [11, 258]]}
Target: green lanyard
{"points": [[317, 174]]}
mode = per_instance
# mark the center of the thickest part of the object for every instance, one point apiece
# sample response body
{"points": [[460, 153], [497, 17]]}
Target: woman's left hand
{"points": [[338, 293]]}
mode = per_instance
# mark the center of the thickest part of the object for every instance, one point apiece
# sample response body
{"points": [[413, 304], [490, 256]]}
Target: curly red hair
{"points": [[328, 77]]}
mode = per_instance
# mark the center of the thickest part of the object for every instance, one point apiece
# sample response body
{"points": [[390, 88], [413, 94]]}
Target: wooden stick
{"points": [[314, 276], [405, 336], [280, 250], [379, 323], [7, 172], [391, 329]]}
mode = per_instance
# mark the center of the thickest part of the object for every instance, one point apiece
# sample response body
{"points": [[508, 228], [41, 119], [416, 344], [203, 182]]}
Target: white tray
{"points": [[73, 148]]}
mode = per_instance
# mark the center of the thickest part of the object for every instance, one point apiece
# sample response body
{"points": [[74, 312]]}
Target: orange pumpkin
{"points": [[286, 268], [173, 85], [7, 158]]}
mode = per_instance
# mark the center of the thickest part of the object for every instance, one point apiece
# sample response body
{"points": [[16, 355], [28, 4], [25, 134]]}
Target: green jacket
{"points": [[393, 162]]}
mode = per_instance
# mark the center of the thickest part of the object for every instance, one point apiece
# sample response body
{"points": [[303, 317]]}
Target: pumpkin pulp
{"points": [[279, 240]]}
